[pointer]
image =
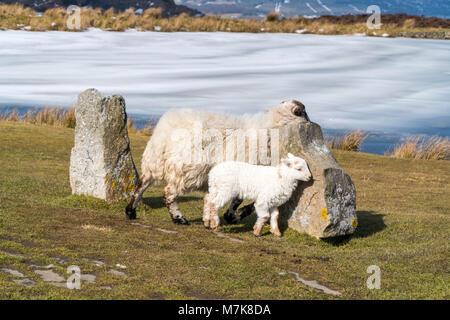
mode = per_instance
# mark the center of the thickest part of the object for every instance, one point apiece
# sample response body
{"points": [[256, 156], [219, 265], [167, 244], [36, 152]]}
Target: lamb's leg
{"points": [[274, 222], [206, 211], [263, 216], [170, 200], [143, 183]]}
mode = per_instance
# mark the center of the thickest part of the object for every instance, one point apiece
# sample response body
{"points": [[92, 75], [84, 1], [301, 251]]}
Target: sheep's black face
{"points": [[300, 110]]}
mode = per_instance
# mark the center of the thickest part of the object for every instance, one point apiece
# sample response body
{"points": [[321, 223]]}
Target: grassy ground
{"points": [[403, 211]]}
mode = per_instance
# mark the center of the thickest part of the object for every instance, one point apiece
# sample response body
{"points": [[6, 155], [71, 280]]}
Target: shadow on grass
{"points": [[244, 225], [158, 202], [369, 223]]}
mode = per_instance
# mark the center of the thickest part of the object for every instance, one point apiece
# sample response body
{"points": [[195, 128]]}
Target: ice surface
{"points": [[346, 82]]}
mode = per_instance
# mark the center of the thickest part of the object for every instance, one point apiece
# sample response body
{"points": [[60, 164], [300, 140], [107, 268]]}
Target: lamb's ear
{"points": [[286, 162]]}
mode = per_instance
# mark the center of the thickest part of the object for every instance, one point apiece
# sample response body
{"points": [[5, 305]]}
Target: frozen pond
{"points": [[346, 82]]}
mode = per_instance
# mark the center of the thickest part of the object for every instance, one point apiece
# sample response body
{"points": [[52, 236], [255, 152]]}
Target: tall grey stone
{"points": [[101, 164], [326, 205]]}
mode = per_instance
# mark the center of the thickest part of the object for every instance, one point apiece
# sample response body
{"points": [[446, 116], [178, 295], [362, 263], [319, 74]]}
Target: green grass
{"points": [[403, 212]]}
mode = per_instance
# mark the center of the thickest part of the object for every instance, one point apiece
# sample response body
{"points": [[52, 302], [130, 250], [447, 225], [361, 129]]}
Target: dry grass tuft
{"points": [[434, 148], [130, 125], [56, 117], [59, 117], [273, 16], [351, 141]]}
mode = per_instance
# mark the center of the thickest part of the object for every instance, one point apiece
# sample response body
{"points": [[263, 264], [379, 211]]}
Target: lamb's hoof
{"points": [[276, 233], [257, 231], [130, 213], [230, 218], [181, 220]]}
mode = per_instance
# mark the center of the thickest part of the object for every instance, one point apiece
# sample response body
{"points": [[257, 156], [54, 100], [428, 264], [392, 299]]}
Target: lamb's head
{"points": [[288, 111], [297, 167]]}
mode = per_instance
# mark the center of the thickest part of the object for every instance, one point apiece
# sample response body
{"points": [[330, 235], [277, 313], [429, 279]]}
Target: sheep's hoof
{"points": [[230, 218], [245, 211], [181, 220], [130, 213]]}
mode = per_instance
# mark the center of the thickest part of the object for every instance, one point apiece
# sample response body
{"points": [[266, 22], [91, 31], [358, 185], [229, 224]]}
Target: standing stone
{"points": [[101, 164], [326, 205]]}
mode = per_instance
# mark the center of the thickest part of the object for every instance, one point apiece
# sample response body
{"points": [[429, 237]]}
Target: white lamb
{"points": [[269, 187]]}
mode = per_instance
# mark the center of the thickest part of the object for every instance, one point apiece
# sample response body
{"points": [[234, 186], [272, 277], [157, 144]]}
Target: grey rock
{"points": [[50, 276], [89, 278], [25, 282], [13, 253], [97, 263], [326, 205], [314, 284], [12, 272], [101, 164], [59, 284], [118, 273]]}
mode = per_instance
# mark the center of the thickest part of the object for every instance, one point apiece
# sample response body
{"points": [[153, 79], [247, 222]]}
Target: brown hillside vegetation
{"points": [[16, 17]]}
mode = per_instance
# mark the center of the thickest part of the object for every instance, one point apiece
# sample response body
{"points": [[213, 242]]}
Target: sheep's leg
{"points": [[263, 216], [230, 214], [214, 222], [206, 211], [245, 211], [170, 200], [274, 222], [233, 217], [143, 184]]}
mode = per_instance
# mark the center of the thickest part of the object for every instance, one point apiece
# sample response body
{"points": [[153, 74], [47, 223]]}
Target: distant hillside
{"points": [[288, 8], [168, 6]]}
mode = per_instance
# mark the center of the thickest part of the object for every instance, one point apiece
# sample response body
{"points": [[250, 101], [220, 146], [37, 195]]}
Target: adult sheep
{"points": [[168, 152]]}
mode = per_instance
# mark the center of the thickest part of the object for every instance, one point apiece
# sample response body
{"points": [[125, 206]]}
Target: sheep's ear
{"points": [[290, 156]]}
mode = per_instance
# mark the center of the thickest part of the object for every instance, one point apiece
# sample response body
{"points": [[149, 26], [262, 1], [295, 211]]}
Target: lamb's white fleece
{"points": [[269, 187]]}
